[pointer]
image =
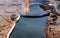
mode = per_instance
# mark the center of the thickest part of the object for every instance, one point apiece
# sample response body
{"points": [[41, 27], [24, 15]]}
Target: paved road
{"points": [[29, 28]]}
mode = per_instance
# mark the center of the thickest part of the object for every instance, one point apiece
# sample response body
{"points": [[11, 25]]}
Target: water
{"points": [[30, 28]]}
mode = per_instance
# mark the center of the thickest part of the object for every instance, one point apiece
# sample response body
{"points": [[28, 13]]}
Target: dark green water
{"points": [[29, 28]]}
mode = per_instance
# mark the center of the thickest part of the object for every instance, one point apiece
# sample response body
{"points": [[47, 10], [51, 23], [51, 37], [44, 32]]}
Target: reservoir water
{"points": [[30, 28]]}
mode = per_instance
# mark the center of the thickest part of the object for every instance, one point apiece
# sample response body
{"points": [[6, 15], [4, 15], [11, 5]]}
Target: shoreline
{"points": [[13, 26]]}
